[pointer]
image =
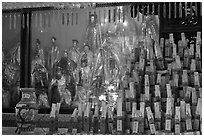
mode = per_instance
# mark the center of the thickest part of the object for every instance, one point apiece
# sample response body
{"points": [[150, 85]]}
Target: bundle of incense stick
{"points": [[96, 120], [87, 118], [74, 121], [103, 121]]}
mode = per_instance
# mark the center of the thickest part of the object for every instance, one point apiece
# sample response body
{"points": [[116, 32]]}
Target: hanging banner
{"points": [[180, 10], [112, 14], [27, 22], [119, 15], [62, 18], [191, 8], [138, 17], [133, 11], [72, 18], [123, 15], [114, 18], [159, 11], [169, 10], [53, 18], [109, 16], [40, 20], [99, 16], [14, 21], [23, 21], [200, 8], [104, 16], [76, 18], [44, 21], [36, 20], [67, 19], [186, 9], [148, 10], [175, 10], [49, 20], [10, 22], [153, 9], [196, 9], [164, 10]]}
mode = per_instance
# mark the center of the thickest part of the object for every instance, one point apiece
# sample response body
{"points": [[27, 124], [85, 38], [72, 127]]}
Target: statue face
{"points": [[92, 19], [86, 48], [75, 44], [53, 40]]}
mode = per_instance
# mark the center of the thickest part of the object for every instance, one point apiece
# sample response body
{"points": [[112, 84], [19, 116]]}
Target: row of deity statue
{"points": [[73, 66]]}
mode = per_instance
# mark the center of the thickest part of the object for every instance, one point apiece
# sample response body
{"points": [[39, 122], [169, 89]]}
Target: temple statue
{"points": [[93, 36], [53, 57]]}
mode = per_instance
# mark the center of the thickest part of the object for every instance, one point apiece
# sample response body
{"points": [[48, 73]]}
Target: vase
{"points": [[26, 111]]}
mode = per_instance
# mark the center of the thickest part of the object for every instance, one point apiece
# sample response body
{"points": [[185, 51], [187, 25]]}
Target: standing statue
{"points": [[93, 36], [75, 54], [53, 57]]}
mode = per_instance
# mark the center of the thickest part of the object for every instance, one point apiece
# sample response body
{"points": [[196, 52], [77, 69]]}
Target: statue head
{"points": [[53, 39], [65, 54], [86, 48], [93, 18], [75, 43]]}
